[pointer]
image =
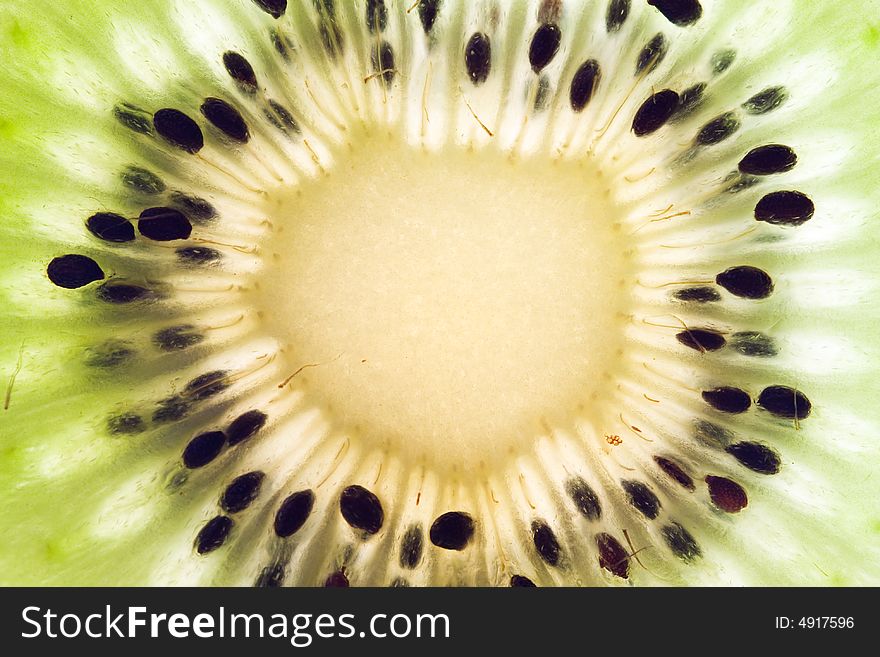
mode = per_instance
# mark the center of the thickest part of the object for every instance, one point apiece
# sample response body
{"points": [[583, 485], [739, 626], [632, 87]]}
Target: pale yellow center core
{"points": [[451, 306]]}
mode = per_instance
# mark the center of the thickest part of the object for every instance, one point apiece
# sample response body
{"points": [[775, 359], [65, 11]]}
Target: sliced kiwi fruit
{"points": [[538, 292]]}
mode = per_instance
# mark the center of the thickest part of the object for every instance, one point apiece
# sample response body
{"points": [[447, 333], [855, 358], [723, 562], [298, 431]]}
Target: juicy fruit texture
{"points": [[378, 293]]}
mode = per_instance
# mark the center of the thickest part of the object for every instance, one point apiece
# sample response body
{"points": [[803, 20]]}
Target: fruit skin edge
{"points": [[34, 45]]}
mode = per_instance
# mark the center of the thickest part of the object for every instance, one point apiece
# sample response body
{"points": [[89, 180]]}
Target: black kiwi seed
{"points": [[121, 293], [728, 399], [583, 84], [452, 530], [399, 583], [722, 60], [133, 118], [478, 58], [275, 8], [753, 343], [198, 255], [718, 129], [785, 402], [164, 224], [361, 509], [126, 424], [377, 16], [679, 12], [226, 118], [73, 271], [143, 181], [240, 70], [756, 456], [293, 513], [203, 449], [652, 54], [654, 112], [411, 547], [767, 160], [280, 46], [616, 15], [110, 227], [171, 409], [642, 498], [545, 542], [675, 472], [698, 294], [177, 338], [337, 580], [195, 207], [243, 490], [544, 46], [786, 208], [245, 426], [584, 498], [428, 10], [726, 494], [701, 339], [766, 101], [612, 556], [213, 534], [179, 130], [382, 60], [746, 282], [518, 581], [680, 541]]}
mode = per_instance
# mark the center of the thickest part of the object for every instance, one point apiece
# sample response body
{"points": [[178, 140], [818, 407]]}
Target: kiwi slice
{"points": [[439, 292]]}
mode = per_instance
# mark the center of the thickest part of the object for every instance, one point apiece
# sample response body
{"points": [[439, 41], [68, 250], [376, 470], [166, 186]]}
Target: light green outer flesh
{"points": [[45, 542]]}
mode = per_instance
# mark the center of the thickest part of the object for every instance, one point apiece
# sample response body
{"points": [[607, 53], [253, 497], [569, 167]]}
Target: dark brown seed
{"points": [[584, 84], [293, 513], [728, 399], [164, 224], [120, 293], [726, 494], [428, 10], [767, 160], [642, 498], [382, 60], [675, 472], [338, 580], [766, 101], [544, 46], [226, 118], [478, 58], [701, 339], [746, 282], [612, 556], [243, 490], [275, 8], [654, 112], [361, 509], [110, 227], [616, 15], [245, 425], [546, 542], [698, 294], [203, 449], [652, 54], [756, 457], [785, 402], [786, 208], [73, 271], [179, 130], [584, 498], [452, 530], [213, 534], [679, 12], [240, 70], [518, 581]]}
